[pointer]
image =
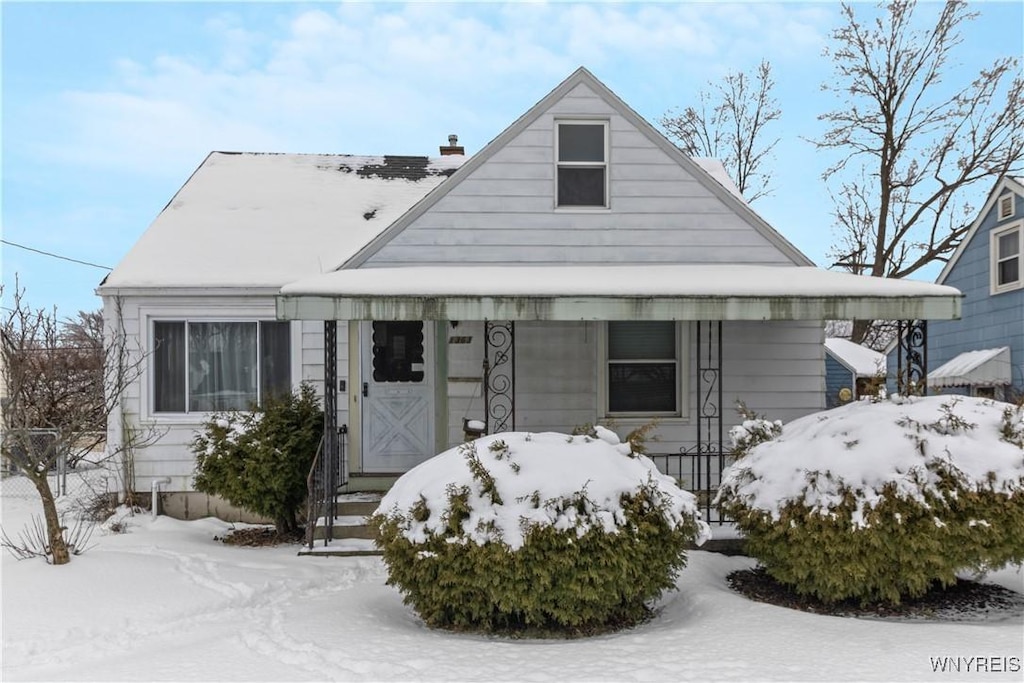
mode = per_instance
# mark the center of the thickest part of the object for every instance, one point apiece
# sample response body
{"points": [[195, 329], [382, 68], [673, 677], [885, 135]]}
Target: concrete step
{"points": [[379, 483], [364, 503], [346, 547], [351, 511], [347, 526]]}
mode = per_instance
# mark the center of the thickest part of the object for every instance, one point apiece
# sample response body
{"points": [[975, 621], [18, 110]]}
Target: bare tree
{"points": [[65, 378], [728, 124], [914, 146]]}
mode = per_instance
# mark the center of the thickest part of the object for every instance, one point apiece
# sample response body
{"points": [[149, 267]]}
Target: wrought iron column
{"points": [[500, 375], [912, 357], [708, 454], [330, 464]]}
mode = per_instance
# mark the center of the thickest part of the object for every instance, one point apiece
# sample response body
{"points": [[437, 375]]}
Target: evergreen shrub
{"points": [[877, 502], [259, 460], [536, 535]]}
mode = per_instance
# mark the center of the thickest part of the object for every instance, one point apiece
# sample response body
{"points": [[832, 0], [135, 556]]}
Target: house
{"points": [[982, 353], [578, 268], [852, 371]]}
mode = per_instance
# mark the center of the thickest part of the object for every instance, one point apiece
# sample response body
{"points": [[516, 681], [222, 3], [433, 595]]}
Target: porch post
{"points": [[709, 458], [500, 376], [912, 357], [329, 463]]}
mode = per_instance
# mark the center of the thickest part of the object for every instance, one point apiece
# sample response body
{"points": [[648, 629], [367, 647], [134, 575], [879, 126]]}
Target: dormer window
{"points": [[582, 153], [1006, 206]]}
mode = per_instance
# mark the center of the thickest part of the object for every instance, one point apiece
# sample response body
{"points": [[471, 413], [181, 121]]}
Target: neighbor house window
{"points": [[643, 368], [582, 163], [1006, 206], [202, 366], [1006, 256]]}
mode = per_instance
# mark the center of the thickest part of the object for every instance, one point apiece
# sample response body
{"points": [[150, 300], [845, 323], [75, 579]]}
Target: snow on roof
{"points": [[262, 220], [973, 368], [611, 292], [655, 280], [861, 360], [715, 169]]}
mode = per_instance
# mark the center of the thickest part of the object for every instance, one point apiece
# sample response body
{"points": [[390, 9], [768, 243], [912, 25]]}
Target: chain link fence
{"points": [[42, 445], [32, 445]]}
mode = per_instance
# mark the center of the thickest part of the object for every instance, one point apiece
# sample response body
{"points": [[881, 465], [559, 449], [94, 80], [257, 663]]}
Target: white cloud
{"points": [[370, 78]]}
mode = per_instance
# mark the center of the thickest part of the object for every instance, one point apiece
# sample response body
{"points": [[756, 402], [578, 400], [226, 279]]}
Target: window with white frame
{"points": [[202, 366], [582, 174], [643, 368], [1006, 256], [1006, 206]]}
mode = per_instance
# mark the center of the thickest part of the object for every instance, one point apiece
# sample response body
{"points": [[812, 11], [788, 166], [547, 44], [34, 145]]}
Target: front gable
{"points": [[993, 312], [503, 207], [973, 260]]}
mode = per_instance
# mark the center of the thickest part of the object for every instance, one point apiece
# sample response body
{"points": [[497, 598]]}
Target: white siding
{"points": [[556, 375], [465, 378], [775, 368], [504, 212], [169, 455]]}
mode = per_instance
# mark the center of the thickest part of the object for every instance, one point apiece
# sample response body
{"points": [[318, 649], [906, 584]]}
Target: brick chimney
{"points": [[453, 147]]}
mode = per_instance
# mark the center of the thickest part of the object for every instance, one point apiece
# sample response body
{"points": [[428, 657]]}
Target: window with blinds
{"points": [[643, 368]]}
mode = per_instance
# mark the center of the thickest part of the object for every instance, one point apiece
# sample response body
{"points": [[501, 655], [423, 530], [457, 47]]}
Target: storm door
{"points": [[397, 395]]}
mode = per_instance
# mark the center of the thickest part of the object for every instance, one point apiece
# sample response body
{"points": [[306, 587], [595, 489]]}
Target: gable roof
{"points": [[858, 359], [584, 77], [245, 220], [1015, 185]]}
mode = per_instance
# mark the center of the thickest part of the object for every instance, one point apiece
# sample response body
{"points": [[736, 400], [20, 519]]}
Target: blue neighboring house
{"points": [[982, 354], [852, 371]]}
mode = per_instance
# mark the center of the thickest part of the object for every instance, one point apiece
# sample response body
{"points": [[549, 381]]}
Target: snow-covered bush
{"points": [[882, 501], [259, 460], [537, 533], [753, 430]]}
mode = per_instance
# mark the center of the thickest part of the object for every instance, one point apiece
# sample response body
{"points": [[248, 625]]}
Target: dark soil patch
{"points": [[964, 601], [257, 537]]}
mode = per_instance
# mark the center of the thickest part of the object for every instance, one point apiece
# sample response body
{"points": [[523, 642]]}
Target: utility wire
{"points": [[52, 255]]}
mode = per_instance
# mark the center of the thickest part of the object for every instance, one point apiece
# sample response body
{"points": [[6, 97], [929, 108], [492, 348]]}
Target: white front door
{"points": [[397, 394]]}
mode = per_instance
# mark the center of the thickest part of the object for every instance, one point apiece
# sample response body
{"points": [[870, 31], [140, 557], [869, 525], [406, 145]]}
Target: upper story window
{"points": [[1006, 249], [202, 366], [1006, 206], [582, 163], [643, 368]]}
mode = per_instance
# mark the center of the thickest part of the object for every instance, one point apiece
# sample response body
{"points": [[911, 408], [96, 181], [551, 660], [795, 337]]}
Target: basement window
{"points": [[582, 174]]}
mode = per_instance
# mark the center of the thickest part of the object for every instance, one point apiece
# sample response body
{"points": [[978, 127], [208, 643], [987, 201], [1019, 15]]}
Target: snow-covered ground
{"points": [[165, 601]]}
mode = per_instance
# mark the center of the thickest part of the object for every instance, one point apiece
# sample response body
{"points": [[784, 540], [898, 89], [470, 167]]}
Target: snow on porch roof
{"points": [[629, 292], [985, 367]]}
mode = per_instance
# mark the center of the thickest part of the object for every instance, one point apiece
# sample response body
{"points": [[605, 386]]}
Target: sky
{"points": [[107, 108]]}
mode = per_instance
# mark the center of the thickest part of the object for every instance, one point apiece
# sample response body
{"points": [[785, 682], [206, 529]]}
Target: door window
{"points": [[398, 351]]}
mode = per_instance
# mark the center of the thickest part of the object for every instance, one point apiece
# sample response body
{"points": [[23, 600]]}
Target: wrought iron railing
{"points": [[328, 473], [500, 375], [699, 471]]}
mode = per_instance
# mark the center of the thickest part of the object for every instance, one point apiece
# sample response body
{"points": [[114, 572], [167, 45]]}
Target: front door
{"points": [[398, 395]]}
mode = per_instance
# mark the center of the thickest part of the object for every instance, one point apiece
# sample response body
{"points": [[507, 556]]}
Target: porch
{"points": [[720, 312]]}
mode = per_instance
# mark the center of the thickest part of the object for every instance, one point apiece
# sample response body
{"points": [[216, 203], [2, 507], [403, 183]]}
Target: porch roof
{"points": [[984, 367], [628, 292]]}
